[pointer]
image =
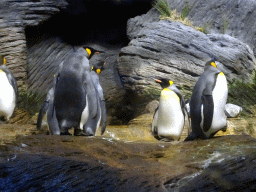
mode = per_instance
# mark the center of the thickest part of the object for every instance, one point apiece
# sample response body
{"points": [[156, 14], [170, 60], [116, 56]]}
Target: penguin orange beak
{"points": [[157, 80]]}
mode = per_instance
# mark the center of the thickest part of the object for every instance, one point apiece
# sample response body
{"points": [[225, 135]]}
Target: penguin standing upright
{"points": [[93, 123], [75, 96], [169, 118], [72, 99], [9, 91], [48, 109], [207, 103]]}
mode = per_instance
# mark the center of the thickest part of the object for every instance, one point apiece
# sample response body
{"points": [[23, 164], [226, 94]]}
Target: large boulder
{"points": [[232, 17], [170, 49]]}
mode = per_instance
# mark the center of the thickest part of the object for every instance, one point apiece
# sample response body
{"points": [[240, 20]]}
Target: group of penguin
{"points": [[76, 97], [206, 108], [76, 100]]}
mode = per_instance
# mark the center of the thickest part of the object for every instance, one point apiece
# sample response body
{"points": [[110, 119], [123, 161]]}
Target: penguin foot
{"points": [[192, 137], [79, 132], [224, 129], [65, 133]]}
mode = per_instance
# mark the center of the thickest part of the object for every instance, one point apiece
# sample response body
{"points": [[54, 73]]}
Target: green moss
{"points": [[163, 7], [185, 11], [225, 24], [29, 101], [204, 28], [152, 92], [243, 94]]}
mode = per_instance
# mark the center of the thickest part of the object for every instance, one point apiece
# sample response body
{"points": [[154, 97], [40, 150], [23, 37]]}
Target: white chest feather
{"points": [[170, 119], [7, 97], [219, 94], [84, 115]]}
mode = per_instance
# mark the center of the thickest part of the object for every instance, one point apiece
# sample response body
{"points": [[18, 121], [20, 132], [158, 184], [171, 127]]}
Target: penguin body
{"points": [[9, 93], [48, 109], [70, 101], [169, 118], [93, 123], [73, 88], [207, 104]]}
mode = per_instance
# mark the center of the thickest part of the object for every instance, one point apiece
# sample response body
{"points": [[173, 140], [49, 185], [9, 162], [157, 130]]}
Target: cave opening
{"points": [[89, 21]]}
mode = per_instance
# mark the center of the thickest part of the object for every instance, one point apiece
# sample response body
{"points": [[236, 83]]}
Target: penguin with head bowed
{"points": [[9, 93], [93, 122], [207, 103], [73, 99], [169, 118]]}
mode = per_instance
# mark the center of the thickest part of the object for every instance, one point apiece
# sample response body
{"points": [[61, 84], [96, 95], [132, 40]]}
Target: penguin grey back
{"points": [[70, 92]]}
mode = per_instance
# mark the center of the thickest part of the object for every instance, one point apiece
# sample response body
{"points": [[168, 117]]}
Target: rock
{"points": [[151, 107], [14, 17], [43, 62], [232, 110], [170, 49], [238, 15]]}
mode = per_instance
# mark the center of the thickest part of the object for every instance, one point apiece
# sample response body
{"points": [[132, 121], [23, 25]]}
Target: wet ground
{"points": [[125, 158]]}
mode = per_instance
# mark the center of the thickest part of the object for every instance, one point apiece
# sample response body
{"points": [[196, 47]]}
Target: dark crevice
{"points": [[132, 55], [190, 72], [232, 70], [249, 58], [162, 70], [150, 48]]}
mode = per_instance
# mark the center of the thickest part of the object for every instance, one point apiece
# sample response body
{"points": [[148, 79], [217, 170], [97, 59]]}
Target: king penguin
{"points": [[207, 103], [71, 99], [169, 118], [93, 123], [48, 109], [9, 91]]}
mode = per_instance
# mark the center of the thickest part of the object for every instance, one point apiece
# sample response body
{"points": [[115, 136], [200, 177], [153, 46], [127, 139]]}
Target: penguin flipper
{"points": [[154, 122], [208, 107], [41, 114], [12, 81], [103, 116]]}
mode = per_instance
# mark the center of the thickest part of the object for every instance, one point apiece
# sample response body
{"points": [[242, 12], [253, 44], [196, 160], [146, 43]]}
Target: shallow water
{"points": [[125, 158]]}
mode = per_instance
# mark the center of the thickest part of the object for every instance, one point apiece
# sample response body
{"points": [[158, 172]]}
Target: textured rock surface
{"points": [[15, 16], [43, 61], [239, 15], [173, 50]]}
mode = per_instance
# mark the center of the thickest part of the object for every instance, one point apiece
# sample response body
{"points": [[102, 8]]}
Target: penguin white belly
{"points": [[98, 123], [84, 115], [219, 94], [170, 121], [7, 97]]}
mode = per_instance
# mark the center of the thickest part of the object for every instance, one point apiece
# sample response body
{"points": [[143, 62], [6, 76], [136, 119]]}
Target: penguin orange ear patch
{"points": [[4, 62], [98, 71], [88, 51], [170, 82], [213, 64]]}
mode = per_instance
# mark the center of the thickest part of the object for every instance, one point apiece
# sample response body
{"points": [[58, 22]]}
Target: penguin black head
{"points": [[164, 82], [91, 51], [2, 60], [98, 68]]}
